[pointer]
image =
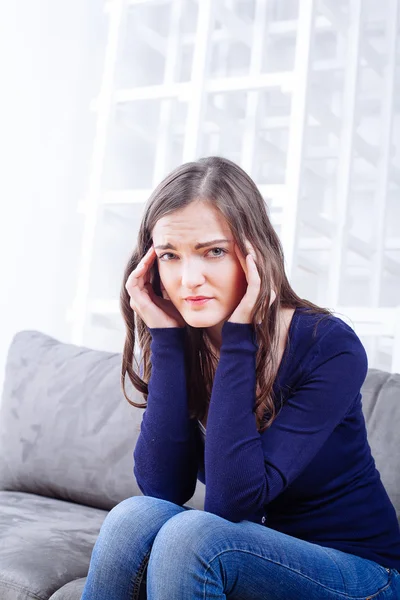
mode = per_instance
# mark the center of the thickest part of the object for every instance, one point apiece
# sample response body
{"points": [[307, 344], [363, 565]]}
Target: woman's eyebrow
{"points": [[197, 246]]}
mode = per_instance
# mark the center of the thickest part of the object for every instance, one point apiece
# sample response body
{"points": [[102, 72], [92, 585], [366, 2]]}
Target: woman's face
{"points": [[212, 270]]}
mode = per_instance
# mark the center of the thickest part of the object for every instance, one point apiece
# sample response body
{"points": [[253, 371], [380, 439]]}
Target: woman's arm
{"points": [[245, 470], [165, 463]]}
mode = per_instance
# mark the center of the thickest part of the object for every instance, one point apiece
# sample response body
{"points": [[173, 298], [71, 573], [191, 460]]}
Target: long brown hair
{"points": [[228, 188]]}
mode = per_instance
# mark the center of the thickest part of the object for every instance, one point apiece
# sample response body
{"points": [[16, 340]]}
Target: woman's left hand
{"points": [[242, 313]]}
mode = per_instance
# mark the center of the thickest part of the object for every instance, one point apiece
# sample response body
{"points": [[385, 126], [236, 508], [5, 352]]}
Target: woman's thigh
{"points": [[199, 555]]}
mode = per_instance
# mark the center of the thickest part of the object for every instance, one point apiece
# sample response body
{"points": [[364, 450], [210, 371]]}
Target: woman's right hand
{"points": [[152, 309]]}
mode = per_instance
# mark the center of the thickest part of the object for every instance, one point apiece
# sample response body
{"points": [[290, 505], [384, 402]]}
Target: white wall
{"points": [[45, 82]]}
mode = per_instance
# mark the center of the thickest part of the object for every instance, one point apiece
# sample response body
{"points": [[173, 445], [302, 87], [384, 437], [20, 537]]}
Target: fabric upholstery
{"points": [[66, 431], [381, 407], [70, 591], [44, 544]]}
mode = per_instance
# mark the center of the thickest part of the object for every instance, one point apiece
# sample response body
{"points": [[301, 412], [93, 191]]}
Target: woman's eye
{"points": [[161, 257], [221, 250]]}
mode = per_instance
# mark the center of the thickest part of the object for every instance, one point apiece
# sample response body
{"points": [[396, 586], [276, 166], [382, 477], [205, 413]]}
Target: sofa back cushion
{"points": [[66, 430], [381, 407]]}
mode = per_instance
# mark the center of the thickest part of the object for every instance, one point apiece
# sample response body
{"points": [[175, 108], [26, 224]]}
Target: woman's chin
{"points": [[202, 321]]}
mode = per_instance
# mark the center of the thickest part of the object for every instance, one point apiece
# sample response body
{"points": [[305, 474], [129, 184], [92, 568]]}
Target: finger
{"points": [[150, 256], [254, 273], [253, 281], [158, 301], [242, 259], [150, 291], [141, 292], [141, 269], [136, 280], [148, 259], [149, 252], [251, 252], [273, 296], [250, 249]]}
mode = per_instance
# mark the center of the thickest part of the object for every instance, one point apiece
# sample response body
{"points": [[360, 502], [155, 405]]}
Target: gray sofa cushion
{"points": [[70, 591], [66, 431], [45, 543], [381, 406]]}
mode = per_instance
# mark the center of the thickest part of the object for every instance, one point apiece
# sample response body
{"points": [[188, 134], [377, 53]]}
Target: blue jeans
{"points": [[151, 548]]}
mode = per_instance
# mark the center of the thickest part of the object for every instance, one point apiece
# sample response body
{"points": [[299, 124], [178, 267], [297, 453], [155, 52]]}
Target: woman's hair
{"points": [[228, 188]]}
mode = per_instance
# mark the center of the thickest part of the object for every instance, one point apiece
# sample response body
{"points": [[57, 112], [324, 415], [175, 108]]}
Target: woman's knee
{"points": [[125, 538], [188, 533], [137, 515]]}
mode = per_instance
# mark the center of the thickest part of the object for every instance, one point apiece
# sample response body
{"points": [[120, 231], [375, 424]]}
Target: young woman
{"points": [[256, 393]]}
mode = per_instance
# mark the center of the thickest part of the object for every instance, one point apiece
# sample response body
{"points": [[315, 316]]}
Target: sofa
{"points": [[67, 436]]}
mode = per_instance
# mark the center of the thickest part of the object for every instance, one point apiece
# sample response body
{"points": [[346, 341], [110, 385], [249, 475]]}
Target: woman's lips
{"points": [[198, 302]]}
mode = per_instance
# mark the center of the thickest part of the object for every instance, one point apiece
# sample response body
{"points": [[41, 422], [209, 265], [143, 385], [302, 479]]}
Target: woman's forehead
{"points": [[197, 223]]}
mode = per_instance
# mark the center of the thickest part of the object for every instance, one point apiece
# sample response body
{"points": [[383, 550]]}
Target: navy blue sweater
{"points": [[310, 475]]}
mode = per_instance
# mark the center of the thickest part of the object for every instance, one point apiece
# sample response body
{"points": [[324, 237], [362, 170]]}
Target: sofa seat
{"points": [[45, 543], [70, 591]]}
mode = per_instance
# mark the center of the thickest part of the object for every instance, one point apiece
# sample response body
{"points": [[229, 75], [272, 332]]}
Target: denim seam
{"points": [[139, 576], [344, 596]]}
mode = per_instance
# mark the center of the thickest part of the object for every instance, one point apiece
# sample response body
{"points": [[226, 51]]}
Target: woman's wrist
{"points": [[238, 335]]}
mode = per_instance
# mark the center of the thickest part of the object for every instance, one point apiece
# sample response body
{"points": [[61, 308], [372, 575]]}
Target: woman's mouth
{"points": [[197, 301]]}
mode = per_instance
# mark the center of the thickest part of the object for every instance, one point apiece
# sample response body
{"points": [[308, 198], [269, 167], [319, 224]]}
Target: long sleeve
{"points": [[246, 470], [165, 463]]}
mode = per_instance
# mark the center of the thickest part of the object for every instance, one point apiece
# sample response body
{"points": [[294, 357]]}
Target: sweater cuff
{"points": [[167, 336], [240, 335]]}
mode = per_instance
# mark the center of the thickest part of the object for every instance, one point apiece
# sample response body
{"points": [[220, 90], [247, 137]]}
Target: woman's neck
{"points": [[214, 337]]}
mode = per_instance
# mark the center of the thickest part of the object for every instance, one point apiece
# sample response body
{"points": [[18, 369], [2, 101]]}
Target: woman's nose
{"points": [[192, 275]]}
